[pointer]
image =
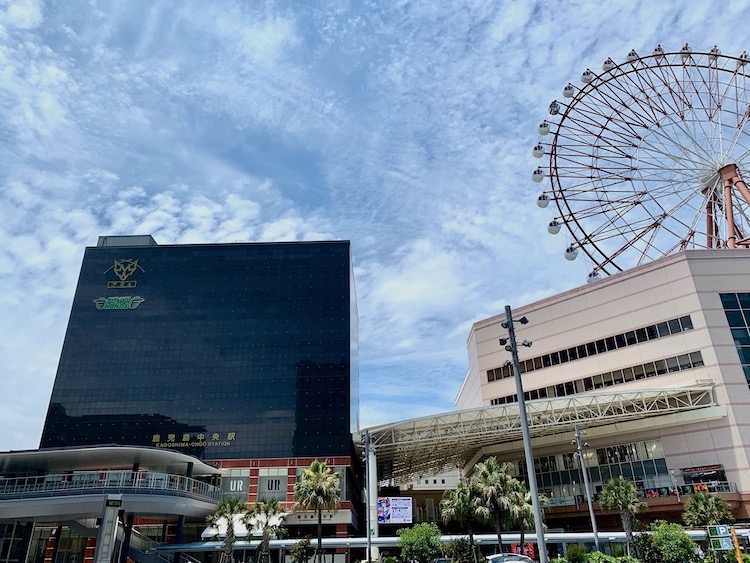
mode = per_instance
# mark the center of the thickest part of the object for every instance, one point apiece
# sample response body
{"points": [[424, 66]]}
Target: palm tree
{"points": [[522, 510], [318, 489], [464, 505], [619, 494], [227, 510], [265, 517], [705, 509], [495, 484]]}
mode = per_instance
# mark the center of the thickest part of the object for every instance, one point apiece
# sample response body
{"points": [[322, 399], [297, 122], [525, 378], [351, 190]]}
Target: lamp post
{"points": [[368, 500], [579, 446], [531, 470]]}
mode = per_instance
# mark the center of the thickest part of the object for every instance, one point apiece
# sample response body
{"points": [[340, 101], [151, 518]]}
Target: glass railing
{"points": [[655, 492], [422, 514], [140, 482]]}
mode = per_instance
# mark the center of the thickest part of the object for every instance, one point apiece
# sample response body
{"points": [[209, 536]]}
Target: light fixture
{"points": [[527, 343], [523, 321], [503, 341]]}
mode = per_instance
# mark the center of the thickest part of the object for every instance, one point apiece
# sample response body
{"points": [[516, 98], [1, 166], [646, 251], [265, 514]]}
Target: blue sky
{"points": [[403, 126]]}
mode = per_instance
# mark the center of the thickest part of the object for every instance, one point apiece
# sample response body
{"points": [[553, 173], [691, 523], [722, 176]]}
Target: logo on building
{"points": [[123, 269], [118, 303]]}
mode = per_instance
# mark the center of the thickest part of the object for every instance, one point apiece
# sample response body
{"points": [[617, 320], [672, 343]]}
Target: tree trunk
{"points": [[628, 529], [471, 542], [320, 536], [498, 530]]}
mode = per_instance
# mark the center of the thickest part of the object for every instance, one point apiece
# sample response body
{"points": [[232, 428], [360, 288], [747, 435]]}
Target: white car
{"points": [[509, 557]]}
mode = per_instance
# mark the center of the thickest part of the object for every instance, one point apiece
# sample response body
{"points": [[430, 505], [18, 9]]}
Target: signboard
{"points": [[722, 544], [394, 510], [722, 531], [235, 487]]}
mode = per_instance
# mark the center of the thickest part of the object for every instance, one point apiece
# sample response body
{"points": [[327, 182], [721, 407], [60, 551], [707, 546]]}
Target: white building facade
{"points": [[679, 322]]}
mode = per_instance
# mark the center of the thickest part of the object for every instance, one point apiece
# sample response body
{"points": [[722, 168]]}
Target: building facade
{"points": [[227, 351], [242, 355], [679, 322]]}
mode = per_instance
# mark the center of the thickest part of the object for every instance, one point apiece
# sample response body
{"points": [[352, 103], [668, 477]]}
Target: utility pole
{"points": [[579, 446]]}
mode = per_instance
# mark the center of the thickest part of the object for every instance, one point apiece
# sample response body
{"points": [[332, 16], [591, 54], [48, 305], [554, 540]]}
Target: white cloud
{"points": [[406, 128]]}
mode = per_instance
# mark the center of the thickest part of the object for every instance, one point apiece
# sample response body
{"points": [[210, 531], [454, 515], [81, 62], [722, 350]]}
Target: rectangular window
{"points": [[639, 372], [684, 361], [741, 337], [662, 329], [661, 367], [546, 361], [610, 342], [620, 341], [555, 356], [581, 351], [729, 301], [674, 326], [686, 322], [650, 369], [630, 338], [573, 353], [629, 375], [607, 379], [651, 332], [641, 335], [672, 364], [538, 362], [618, 377], [591, 349], [563, 356], [601, 346], [735, 319], [696, 358]]}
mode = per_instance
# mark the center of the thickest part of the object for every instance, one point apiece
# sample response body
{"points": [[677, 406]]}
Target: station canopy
{"points": [[428, 445]]}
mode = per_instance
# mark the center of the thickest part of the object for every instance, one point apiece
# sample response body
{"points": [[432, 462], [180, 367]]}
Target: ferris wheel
{"points": [[647, 157]]}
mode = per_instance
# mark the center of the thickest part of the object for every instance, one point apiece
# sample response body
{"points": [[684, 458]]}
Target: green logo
{"points": [[118, 303]]}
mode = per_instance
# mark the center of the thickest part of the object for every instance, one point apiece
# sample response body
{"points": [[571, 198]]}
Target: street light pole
{"points": [[531, 470], [585, 471], [368, 500]]}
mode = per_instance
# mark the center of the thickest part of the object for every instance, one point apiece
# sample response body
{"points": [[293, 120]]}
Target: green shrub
{"points": [[626, 559], [667, 543], [301, 551], [389, 559], [459, 551], [598, 557], [559, 560], [576, 554], [420, 543]]}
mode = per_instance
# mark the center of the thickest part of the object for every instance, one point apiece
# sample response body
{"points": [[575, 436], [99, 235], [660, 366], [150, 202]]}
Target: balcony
{"points": [[111, 482]]}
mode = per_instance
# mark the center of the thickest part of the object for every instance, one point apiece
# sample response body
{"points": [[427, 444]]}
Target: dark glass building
{"points": [[222, 351]]}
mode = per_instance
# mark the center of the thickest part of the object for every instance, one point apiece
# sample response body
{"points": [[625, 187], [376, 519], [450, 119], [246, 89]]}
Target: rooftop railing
{"points": [[97, 482]]}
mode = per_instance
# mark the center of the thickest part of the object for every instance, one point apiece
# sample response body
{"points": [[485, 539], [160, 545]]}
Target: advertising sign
{"points": [[394, 510]]}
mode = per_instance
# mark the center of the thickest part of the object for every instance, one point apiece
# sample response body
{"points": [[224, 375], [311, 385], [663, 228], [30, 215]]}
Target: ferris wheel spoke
{"points": [[641, 88], [624, 112], [589, 125], [656, 88]]}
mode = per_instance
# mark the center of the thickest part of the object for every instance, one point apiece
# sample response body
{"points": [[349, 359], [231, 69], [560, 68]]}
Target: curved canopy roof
{"points": [[92, 458], [454, 439]]}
